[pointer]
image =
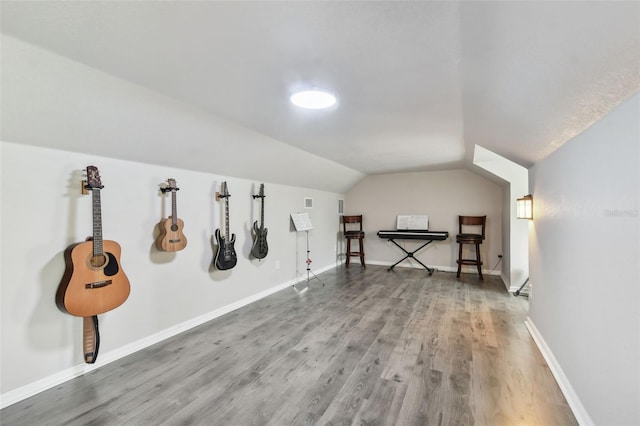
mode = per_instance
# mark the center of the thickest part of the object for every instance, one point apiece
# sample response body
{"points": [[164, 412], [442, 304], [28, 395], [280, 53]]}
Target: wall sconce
{"points": [[524, 207]]}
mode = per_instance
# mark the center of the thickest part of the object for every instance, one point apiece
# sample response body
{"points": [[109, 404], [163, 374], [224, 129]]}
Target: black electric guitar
{"points": [[171, 237], [260, 247], [225, 257]]}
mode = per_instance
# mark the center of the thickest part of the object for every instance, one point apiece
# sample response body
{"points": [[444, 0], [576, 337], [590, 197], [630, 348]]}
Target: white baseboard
{"points": [[26, 391], [416, 265], [507, 282], [569, 393]]}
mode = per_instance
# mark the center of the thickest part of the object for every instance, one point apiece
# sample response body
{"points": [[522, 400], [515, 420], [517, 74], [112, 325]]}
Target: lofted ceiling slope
{"points": [[419, 84]]}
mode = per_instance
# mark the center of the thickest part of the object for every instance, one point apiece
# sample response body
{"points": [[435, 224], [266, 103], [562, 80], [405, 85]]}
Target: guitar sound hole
{"points": [[174, 228], [98, 261]]}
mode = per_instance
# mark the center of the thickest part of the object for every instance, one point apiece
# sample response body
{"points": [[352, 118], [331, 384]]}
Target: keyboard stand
{"points": [[423, 235], [410, 254]]}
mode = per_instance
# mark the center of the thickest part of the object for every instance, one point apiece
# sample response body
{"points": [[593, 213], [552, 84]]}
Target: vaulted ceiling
{"points": [[419, 84]]}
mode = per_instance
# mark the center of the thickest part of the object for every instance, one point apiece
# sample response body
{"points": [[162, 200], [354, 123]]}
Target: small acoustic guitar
{"points": [[171, 237], [225, 257], [260, 247]]}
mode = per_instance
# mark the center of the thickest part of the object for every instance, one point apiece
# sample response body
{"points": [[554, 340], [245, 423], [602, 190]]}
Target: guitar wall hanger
{"points": [[166, 189], [85, 188], [218, 196]]}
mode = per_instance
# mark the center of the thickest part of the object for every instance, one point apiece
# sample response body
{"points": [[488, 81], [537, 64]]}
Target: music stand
{"points": [[302, 222]]}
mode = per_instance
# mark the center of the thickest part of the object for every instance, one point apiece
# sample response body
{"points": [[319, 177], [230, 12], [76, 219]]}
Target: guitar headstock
{"points": [[93, 178], [171, 185], [261, 194], [224, 190]]}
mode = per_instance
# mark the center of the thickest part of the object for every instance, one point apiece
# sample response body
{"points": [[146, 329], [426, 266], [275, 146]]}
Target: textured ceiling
{"points": [[419, 84]]}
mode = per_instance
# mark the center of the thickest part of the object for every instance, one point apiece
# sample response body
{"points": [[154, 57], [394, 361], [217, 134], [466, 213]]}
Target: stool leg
{"points": [[348, 251], [459, 259], [479, 261], [362, 252]]}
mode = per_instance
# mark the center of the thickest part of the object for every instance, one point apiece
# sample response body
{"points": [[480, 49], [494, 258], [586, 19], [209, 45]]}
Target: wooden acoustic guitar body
{"points": [[171, 237], [92, 285]]}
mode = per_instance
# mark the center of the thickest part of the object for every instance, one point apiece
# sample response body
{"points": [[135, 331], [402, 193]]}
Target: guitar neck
{"points": [[226, 218], [174, 209], [262, 212], [97, 222]]}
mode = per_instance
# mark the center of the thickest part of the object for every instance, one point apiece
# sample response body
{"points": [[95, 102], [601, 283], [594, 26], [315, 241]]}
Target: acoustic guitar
{"points": [[225, 257], [171, 237], [260, 247], [93, 282]]}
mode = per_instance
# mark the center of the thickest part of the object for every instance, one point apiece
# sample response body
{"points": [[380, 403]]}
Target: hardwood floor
{"points": [[371, 347]]}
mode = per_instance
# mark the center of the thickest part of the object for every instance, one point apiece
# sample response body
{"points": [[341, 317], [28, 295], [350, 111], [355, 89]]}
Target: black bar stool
{"points": [[353, 232]]}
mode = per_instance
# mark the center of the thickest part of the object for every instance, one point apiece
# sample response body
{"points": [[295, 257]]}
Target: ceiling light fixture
{"points": [[313, 99]]}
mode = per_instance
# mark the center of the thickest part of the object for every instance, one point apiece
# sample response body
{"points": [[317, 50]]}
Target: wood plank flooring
{"points": [[370, 347]]}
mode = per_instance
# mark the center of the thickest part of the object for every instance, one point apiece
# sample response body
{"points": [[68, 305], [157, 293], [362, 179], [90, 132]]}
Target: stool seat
{"points": [[353, 234], [470, 238]]}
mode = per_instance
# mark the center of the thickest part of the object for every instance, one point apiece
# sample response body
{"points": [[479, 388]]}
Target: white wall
{"points": [[58, 116], [506, 237], [515, 231], [584, 266], [43, 212], [442, 195]]}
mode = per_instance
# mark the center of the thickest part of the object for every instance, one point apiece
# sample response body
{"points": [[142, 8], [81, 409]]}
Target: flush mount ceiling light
{"points": [[313, 99]]}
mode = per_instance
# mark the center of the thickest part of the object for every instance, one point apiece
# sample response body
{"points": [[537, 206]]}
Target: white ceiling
{"points": [[419, 84]]}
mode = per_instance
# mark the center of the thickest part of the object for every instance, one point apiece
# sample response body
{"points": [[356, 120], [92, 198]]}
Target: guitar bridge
{"points": [[98, 284]]}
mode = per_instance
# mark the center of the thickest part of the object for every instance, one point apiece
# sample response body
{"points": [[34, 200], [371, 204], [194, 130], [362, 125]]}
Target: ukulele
{"points": [[225, 257], [171, 237], [260, 247]]}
